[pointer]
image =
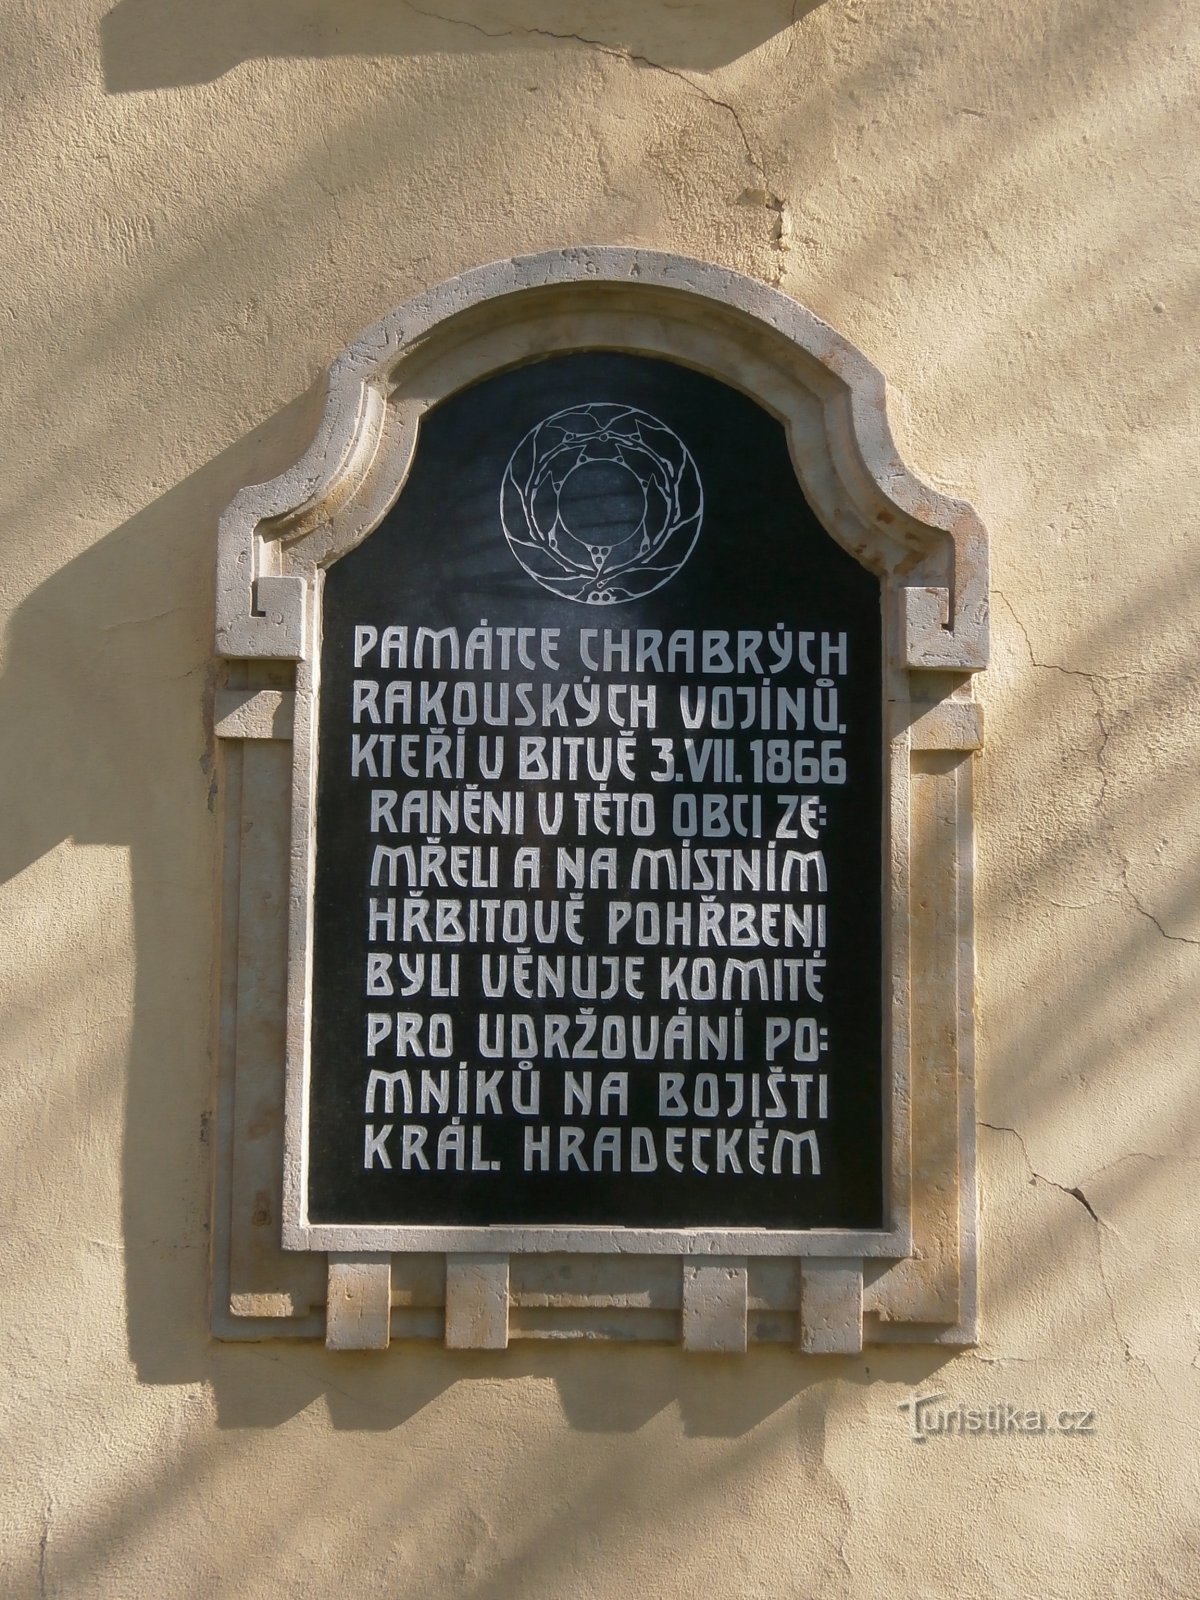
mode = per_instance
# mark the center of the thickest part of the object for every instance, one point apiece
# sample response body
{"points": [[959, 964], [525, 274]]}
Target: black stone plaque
{"points": [[599, 825]]}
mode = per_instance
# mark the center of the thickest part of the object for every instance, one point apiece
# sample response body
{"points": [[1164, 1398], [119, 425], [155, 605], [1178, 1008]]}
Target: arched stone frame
{"points": [[930, 553]]}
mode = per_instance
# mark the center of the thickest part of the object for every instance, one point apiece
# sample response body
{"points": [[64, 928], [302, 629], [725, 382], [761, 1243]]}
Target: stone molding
{"points": [[915, 1279], [356, 464]]}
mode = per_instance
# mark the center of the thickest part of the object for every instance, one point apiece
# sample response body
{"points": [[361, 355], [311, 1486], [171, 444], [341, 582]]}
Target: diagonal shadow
{"points": [[152, 44], [77, 673]]}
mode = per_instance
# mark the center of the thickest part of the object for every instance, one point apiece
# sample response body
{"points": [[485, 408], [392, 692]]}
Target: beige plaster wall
{"points": [[996, 201]]}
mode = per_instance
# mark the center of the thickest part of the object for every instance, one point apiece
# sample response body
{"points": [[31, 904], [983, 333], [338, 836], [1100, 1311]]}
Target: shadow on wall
{"points": [[155, 44], [601, 1388], [109, 676], [106, 665]]}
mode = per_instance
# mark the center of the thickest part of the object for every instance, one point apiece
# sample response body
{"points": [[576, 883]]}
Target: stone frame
{"points": [[712, 1288]]}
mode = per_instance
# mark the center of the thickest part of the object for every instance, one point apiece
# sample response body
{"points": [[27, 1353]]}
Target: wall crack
{"points": [[1144, 911], [1076, 1192], [44, 1550], [1102, 1227], [1054, 666], [772, 201]]}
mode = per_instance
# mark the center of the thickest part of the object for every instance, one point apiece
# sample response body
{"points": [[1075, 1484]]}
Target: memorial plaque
{"points": [[599, 865], [599, 861]]}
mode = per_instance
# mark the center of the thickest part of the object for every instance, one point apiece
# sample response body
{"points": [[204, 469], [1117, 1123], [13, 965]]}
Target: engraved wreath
{"points": [[601, 503]]}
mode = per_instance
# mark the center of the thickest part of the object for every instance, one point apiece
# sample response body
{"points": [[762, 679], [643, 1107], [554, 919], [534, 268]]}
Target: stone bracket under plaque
{"points": [[710, 1290], [358, 1308], [714, 1309], [477, 1302]]}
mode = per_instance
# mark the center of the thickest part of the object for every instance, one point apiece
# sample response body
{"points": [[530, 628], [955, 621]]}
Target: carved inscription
{"points": [[599, 839]]}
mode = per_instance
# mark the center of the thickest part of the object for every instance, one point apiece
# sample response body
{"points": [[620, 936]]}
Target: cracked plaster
{"points": [[766, 197]]}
